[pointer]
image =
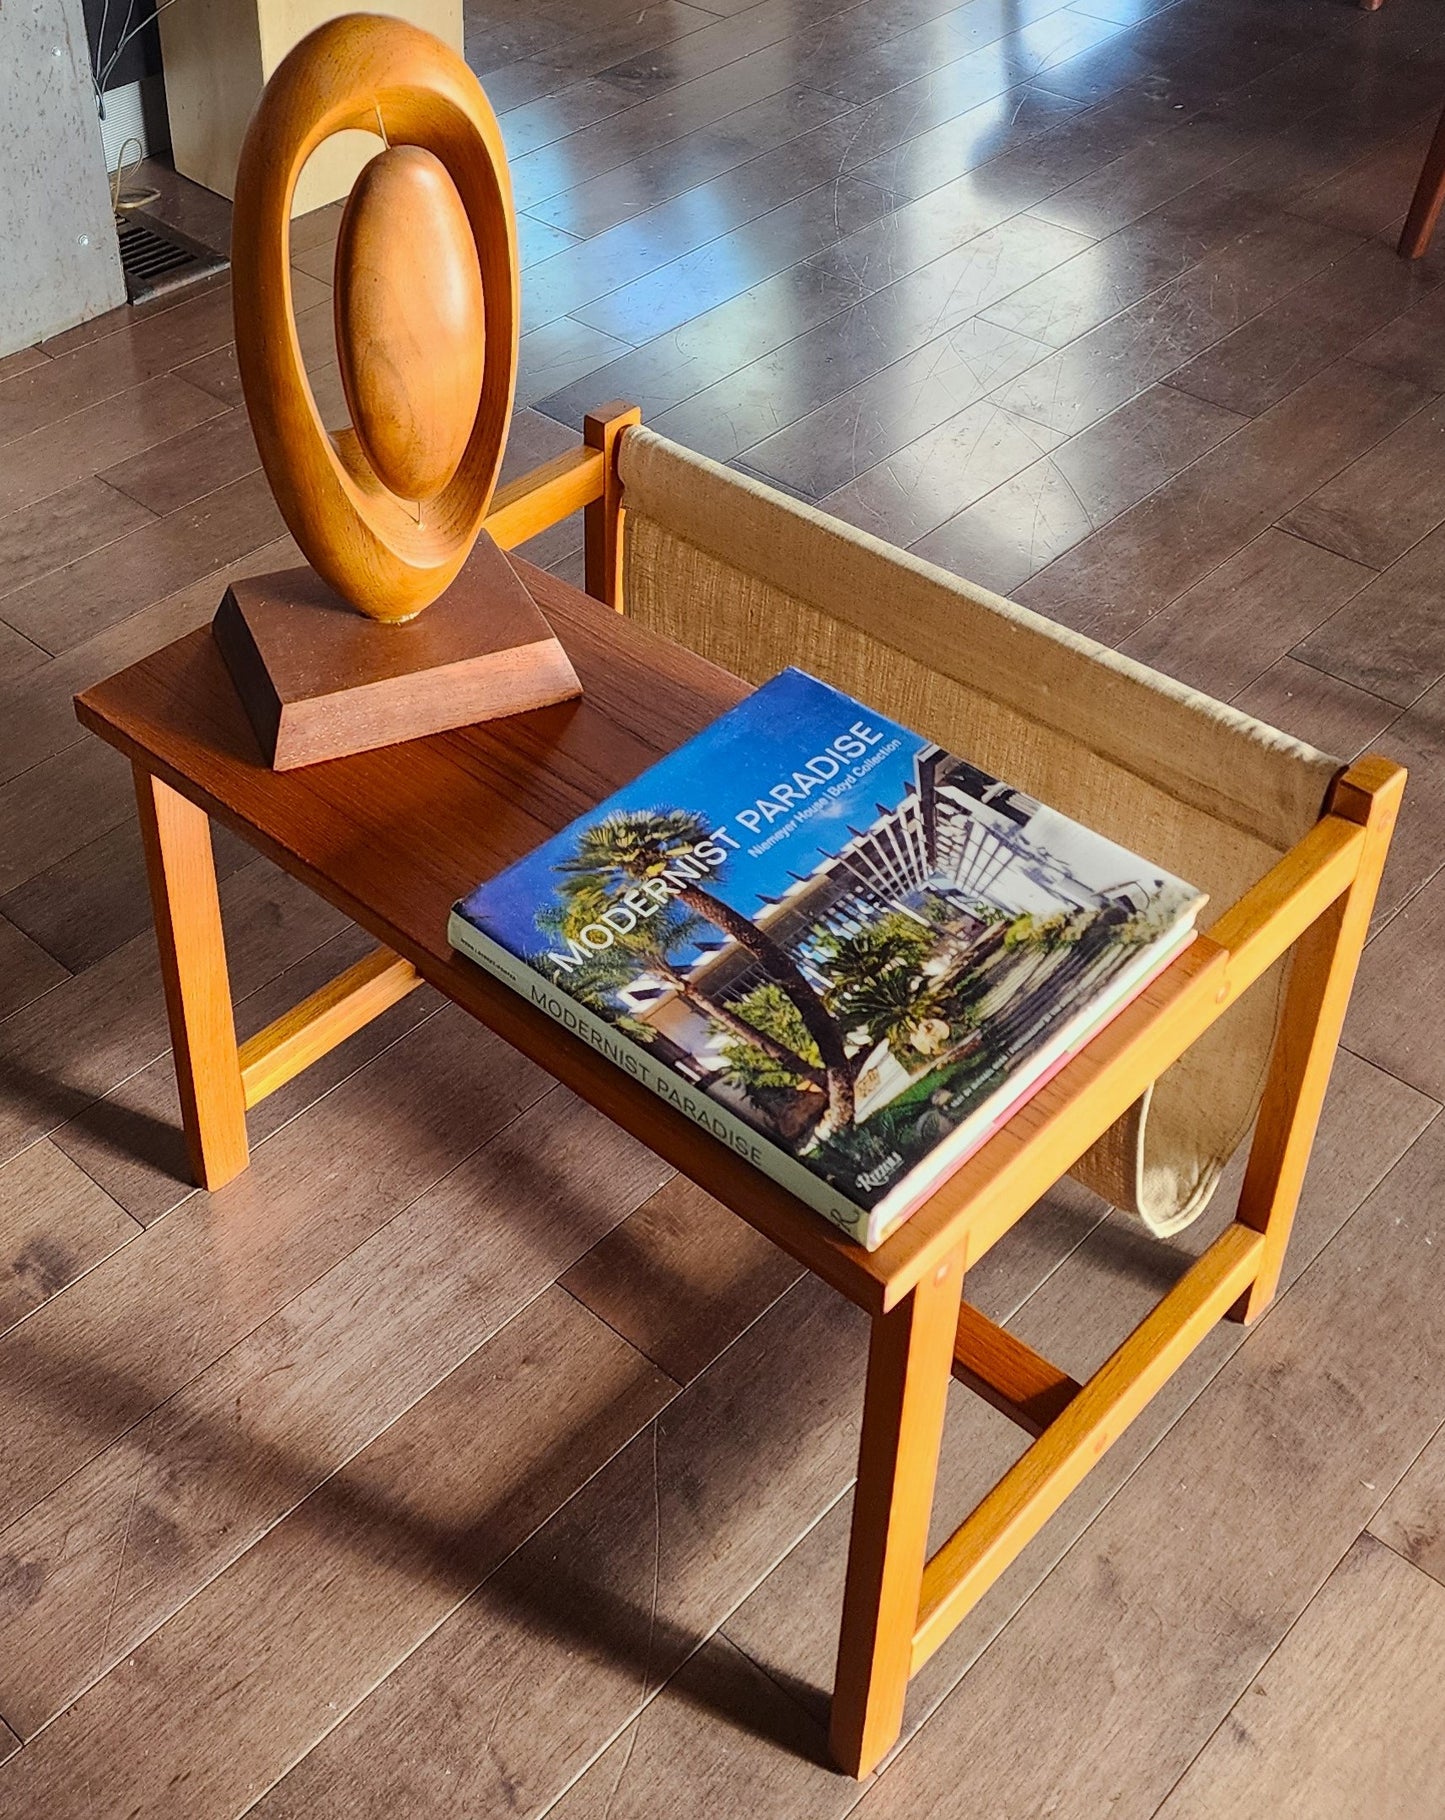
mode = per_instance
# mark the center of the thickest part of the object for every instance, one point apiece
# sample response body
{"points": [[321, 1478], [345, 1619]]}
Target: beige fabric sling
{"points": [[755, 581]]}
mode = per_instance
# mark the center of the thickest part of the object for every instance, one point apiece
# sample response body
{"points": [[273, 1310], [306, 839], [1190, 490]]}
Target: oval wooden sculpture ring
{"points": [[380, 552]]}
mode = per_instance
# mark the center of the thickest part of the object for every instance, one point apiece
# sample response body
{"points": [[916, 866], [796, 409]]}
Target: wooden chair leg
{"points": [[602, 520], [177, 839], [1429, 195], [1325, 959], [910, 1361]]}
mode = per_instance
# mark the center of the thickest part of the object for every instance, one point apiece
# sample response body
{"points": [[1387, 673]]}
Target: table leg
{"points": [[910, 1359], [182, 873], [1321, 978], [1425, 204]]}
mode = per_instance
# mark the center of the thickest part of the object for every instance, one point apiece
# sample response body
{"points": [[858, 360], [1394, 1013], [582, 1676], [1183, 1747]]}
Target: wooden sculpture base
{"points": [[319, 680]]}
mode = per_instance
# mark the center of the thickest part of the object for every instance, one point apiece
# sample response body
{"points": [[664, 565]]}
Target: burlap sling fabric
{"points": [[755, 580]]}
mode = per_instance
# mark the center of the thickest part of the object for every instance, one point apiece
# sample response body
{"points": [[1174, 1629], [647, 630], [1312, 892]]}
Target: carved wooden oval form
{"points": [[383, 553], [409, 320]]}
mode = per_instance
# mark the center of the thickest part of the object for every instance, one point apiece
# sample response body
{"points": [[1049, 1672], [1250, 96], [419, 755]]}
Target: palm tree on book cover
{"points": [[649, 948], [635, 846]]}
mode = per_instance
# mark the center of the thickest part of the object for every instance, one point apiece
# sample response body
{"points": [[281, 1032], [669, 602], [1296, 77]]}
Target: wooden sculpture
{"points": [[388, 512]]}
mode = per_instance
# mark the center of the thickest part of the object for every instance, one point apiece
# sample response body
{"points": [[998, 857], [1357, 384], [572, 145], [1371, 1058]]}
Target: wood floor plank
{"points": [[1252, 610], [92, 901], [264, 1660], [831, 446], [853, 342], [1305, 1739], [21, 361], [490, 40], [806, 166], [1115, 580], [177, 1499], [113, 364], [1083, 483], [681, 1278], [604, 201], [185, 468], [559, 354], [1319, 709], [55, 1223], [1048, 42], [1188, 57], [1122, 12], [629, 33], [1390, 639], [1412, 1518], [556, 113], [57, 806], [1193, 1573], [36, 702], [87, 1033], [1149, 174], [837, 54], [915, 489], [537, 240], [315, 227], [514, 83], [80, 1372], [1101, 281], [951, 102], [18, 654], [26, 970], [1382, 504], [57, 456], [1262, 360], [216, 374], [715, 45], [1367, 198], [1397, 1017], [1416, 739], [685, 1742], [76, 602], [1082, 382], [62, 528], [130, 1140], [559, 1650], [666, 298], [1408, 345], [927, 159], [615, 128]]}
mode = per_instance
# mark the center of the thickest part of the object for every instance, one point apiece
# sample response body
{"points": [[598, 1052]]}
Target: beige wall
{"points": [[218, 55]]}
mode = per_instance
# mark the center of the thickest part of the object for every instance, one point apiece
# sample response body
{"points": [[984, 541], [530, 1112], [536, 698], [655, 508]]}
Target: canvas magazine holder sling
{"points": [[755, 580]]}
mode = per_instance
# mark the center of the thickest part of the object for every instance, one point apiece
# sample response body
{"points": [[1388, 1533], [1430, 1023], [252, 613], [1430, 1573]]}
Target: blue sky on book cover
{"points": [[843, 933], [725, 770]]}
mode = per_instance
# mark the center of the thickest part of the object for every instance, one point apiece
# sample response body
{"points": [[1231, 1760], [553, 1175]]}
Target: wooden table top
{"points": [[394, 837], [406, 830]]}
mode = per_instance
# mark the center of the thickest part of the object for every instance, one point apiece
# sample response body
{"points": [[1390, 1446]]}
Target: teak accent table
{"points": [[392, 837]]}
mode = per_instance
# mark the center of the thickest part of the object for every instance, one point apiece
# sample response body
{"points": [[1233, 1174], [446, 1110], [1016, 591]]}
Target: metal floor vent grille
{"points": [[157, 259]]}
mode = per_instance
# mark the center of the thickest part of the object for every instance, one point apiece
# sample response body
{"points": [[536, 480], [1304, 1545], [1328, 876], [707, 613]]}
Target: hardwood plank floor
{"points": [[1305, 1739], [1412, 1518], [458, 1460]]}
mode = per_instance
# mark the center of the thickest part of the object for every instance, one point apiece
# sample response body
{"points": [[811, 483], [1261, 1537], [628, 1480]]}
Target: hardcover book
{"points": [[847, 953]]}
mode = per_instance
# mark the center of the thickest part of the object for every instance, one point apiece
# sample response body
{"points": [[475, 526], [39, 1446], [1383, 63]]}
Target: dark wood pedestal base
{"points": [[320, 680]]}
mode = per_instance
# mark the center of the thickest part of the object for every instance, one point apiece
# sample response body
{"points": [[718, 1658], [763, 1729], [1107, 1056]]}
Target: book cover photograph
{"points": [[846, 952]]}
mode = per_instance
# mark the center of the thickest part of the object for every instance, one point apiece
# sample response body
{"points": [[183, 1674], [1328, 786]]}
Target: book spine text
{"points": [[634, 1061]]}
